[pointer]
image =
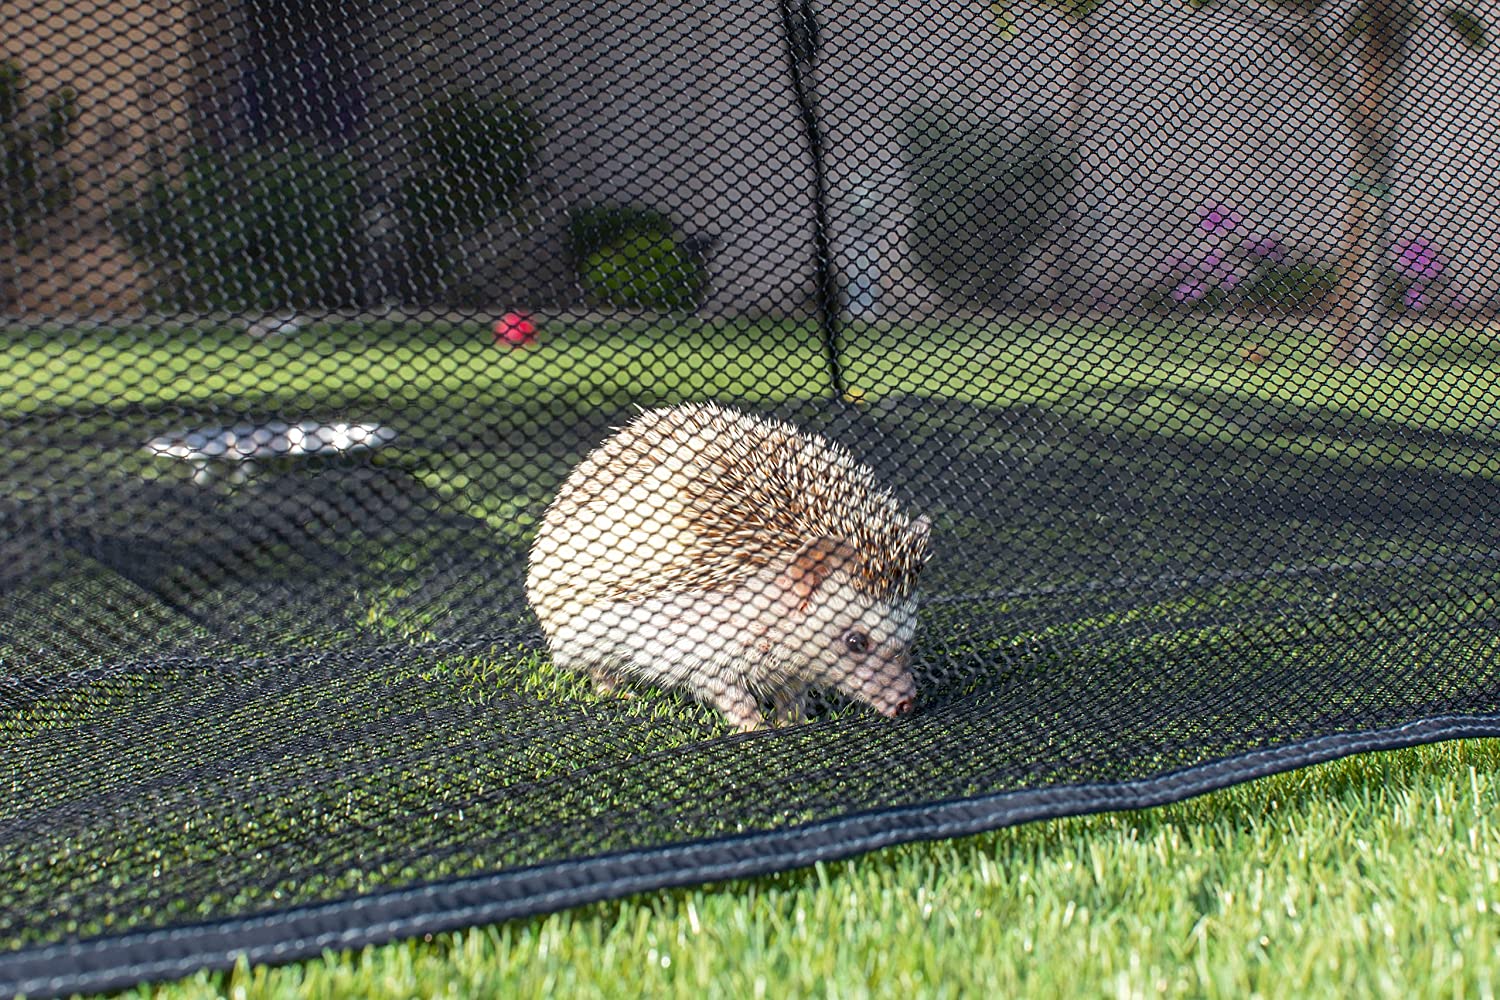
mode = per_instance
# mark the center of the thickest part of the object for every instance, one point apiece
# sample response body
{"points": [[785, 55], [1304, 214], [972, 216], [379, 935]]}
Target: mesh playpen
{"points": [[1177, 320]]}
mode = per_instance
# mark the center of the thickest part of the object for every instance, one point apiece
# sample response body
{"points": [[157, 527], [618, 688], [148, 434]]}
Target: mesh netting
{"points": [[1176, 321]]}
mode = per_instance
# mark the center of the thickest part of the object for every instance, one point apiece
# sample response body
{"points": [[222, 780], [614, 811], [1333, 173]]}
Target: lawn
{"points": [[1375, 874]]}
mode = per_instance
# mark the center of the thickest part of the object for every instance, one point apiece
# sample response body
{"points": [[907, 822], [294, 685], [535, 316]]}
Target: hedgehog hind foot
{"points": [[608, 684]]}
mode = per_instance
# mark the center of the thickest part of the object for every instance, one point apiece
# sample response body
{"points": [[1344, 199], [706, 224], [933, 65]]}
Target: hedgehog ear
{"points": [[817, 561]]}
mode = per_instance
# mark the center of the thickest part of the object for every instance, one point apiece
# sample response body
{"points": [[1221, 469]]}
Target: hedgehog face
{"points": [[862, 647]]}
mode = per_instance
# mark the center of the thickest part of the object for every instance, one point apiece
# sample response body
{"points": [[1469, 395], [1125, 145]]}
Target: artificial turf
{"points": [[1377, 875], [1372, 875]]}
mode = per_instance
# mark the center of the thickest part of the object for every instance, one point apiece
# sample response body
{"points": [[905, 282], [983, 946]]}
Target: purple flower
{"points": [[1190, 291], [1416, 256], [1266, 248], [1218, 218]]}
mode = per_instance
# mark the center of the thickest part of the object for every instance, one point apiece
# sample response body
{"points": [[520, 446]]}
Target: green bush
{"points": [[644, 272], [280, 226], [594, 227], [471, 157], [35, 182], [983, 193], [633, 258], [1287, 289], [263, 229]]}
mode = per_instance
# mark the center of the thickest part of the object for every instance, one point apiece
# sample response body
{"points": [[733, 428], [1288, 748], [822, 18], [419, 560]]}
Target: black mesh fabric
{"points": [[1177, 321]]}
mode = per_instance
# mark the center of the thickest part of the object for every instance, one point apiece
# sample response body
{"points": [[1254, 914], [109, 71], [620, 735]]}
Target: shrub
{"points": [[35, 181], [280, 226], [264, 229], [634, 258], [983, 194], [1219, 269], [1288, 289], [471, 157], [644, 272], [593, 227]]}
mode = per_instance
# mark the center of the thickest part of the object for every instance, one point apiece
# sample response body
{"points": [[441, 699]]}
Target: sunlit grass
{"points": [[1433, 379], [325, 366], [1372, 876]]}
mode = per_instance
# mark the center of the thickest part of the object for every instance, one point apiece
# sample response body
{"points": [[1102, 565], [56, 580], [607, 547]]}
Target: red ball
{"points": [[515, 330]]}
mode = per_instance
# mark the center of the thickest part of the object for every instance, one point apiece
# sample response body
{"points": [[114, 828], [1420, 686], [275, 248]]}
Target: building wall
{"points": [[129, 62], [687, 106]]}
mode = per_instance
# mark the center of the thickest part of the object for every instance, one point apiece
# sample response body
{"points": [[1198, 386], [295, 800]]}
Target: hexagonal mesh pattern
{"points": [[1151, 345]]}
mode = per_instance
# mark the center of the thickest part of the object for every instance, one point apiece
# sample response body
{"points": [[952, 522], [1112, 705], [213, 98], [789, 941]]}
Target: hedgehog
{"points": [[735, 557]]}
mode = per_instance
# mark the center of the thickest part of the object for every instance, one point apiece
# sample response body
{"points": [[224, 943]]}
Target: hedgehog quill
{"points": [[735, 557]]}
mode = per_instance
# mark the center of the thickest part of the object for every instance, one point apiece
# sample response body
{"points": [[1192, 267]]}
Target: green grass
{"points": [[1375, 875], [1372, 876], [1444, 381], [454, 364]]}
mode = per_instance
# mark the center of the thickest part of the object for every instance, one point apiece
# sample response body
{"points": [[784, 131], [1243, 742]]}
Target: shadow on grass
{"points": [[326, 682]]}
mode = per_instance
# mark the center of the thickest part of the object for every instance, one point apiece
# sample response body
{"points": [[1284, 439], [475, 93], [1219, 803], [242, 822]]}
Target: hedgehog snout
{"points": [[891, 696], [906, 706]]}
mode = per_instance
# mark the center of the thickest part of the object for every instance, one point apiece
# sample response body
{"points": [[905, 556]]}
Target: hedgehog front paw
{"points": [[788, 706], [740, 710]]}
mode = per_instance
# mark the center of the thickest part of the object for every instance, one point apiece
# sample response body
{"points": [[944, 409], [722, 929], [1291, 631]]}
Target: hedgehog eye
{"points": [[856, 641]]}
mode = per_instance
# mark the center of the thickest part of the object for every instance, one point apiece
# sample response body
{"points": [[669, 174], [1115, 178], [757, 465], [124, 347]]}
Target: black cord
{"points": [[800, 26]]}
